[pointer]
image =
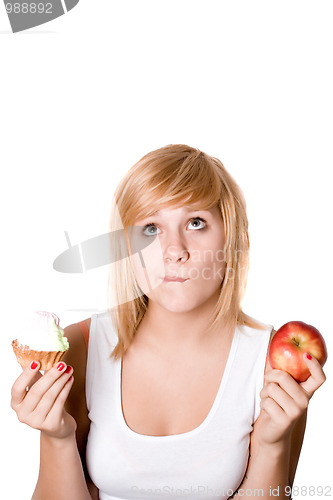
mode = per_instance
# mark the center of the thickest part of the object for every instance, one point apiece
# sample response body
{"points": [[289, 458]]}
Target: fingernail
{"points": [[68, 369], [33, 365], [60, 366], [308, 355]]}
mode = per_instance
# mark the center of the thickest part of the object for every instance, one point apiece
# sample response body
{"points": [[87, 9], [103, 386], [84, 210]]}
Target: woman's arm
{"points": [[61, 473], [42, 407], [76, 401], [271, 468], [277, 435], [64, 462]]}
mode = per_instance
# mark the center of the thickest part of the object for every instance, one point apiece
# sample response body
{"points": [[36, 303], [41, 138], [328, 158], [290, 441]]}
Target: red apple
{"points": [[289, 344]]}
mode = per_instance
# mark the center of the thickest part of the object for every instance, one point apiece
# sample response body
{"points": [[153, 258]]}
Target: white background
{"points": [[87, 95]]}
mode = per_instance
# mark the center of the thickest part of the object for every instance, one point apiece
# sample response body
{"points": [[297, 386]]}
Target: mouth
{"points": [[181, 280]]}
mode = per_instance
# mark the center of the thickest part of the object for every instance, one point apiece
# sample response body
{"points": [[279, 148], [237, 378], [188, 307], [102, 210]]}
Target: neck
{"points": [[176, 332]]}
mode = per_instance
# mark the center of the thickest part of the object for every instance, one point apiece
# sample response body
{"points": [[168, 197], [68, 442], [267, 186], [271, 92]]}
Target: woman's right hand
{"points": [[42, 405]]}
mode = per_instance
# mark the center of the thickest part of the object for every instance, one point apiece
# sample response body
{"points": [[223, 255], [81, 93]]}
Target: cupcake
{"points": [[40, 339]]}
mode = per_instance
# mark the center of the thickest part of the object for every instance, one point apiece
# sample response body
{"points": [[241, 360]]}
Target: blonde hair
{"points": [[167, 177]]}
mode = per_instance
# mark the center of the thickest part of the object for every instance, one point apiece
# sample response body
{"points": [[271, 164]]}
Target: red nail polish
{"points": [[68, 369], [308, 355], [60, 366], [33, 365]]}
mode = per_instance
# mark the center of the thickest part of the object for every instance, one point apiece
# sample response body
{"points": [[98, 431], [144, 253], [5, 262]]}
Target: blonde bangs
{"points": [[162, 180]]}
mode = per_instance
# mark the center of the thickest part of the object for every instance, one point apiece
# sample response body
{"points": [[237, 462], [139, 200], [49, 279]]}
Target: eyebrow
{"points": [[188, 209]]}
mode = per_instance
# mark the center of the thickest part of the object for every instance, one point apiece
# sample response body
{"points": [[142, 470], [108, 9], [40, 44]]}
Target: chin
{"points": [[179, 304], [177, 308]]}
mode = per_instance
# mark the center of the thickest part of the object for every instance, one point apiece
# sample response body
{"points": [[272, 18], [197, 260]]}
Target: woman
{"points": [[176, 397]]}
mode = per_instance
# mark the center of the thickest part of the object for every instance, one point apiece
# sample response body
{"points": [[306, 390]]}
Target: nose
{"points": [[176, 250]]}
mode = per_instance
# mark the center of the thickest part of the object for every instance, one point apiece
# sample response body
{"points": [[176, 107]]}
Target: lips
{"points": [[169, 278]]}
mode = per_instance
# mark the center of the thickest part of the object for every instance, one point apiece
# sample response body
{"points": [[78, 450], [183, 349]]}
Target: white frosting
{"points": [[41, 332]]}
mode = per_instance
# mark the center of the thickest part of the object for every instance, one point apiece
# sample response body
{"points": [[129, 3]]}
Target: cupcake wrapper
{"points": [[25, 356]]}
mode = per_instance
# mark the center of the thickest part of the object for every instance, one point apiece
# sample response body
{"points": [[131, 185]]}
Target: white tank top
{"points": [[208, 462]]}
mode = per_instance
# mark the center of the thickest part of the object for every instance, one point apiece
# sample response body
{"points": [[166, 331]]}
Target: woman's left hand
{"points": [[283, 400]]}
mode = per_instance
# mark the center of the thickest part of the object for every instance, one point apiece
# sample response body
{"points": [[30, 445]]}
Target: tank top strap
{"points": [[85, 332]]}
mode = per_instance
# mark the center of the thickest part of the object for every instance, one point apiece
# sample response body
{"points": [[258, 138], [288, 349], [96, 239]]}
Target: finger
{"points": [[48, 400], [273, 410], [317, 377], [38, 390], [275, 392], [281, 398], [27, 378], [289, 385], [56, 412]]}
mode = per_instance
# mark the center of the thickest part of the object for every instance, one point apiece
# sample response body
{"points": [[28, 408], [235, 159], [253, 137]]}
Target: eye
{"points": [[151, 225], [201, 220]]}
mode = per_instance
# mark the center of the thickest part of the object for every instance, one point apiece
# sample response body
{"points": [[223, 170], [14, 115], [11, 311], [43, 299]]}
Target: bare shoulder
{"points": [[256, 427], [297, 435], [76, 356], [268, 365], [76, 405]]}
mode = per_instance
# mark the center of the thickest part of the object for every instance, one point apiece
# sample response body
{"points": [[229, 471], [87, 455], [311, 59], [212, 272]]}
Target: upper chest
{"points": [[173, 395]]}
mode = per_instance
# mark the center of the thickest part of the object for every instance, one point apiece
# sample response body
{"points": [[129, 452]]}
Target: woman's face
{"points": [[186, 243]]}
